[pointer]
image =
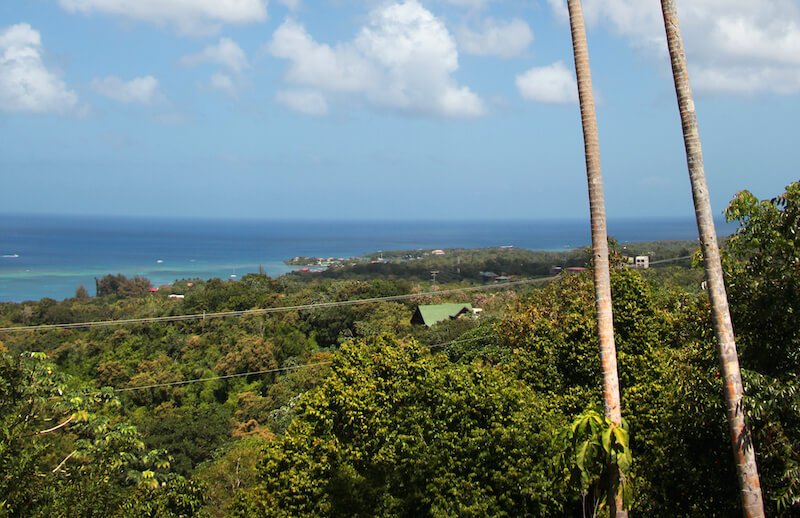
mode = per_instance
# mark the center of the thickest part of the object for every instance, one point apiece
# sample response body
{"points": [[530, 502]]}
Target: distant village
{"points": [[320, 264]]}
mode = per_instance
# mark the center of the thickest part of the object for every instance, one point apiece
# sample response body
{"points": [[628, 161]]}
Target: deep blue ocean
{"points": [[47, 256]]}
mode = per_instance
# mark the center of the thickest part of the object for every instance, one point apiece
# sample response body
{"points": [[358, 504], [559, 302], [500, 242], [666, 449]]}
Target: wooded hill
{"points": [[351, 410]]}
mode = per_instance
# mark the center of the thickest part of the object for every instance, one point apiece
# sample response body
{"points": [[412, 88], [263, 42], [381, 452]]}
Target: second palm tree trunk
{"points": [[744, 453], [597, 208]]}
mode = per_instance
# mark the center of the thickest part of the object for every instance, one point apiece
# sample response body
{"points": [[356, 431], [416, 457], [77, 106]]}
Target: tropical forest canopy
{"points": [[350, 410]]}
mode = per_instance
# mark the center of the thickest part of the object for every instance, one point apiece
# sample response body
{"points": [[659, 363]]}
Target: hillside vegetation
{"points": [[350, 410]]}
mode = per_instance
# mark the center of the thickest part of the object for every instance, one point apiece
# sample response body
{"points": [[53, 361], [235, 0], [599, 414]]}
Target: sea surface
{"points": [[50, 256]]}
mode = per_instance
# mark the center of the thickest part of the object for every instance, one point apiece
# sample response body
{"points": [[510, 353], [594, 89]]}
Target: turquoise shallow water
{"points": [[57, 254]]}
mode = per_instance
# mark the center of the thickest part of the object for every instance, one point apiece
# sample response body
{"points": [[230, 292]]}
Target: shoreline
{"points": [[62, 284]]}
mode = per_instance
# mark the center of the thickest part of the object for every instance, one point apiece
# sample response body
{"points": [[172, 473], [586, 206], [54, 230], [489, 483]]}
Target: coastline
{"points": [[56, 255]]}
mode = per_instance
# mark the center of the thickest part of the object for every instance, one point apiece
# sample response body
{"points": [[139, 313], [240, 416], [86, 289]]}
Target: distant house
{"points": [[438, 252], [642, 261], [431, 314]]}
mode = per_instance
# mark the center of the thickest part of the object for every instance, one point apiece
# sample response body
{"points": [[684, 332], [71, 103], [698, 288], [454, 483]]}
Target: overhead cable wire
{"points": [[671, 260], [266, 371], [282, 309], [226, 376], [265, 311]]}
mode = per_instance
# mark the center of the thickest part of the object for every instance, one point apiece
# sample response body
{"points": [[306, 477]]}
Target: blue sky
{"points": [[448, 109]]}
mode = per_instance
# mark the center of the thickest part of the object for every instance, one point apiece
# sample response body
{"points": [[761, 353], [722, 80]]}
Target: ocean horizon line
{"points": [[49, 256], [371, 220]]}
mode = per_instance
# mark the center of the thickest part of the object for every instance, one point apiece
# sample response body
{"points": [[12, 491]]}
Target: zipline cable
{"points": [[266, 371], [282, 309], [265, 311]]}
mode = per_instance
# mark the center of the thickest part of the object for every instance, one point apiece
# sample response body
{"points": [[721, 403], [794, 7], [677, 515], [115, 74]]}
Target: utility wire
{"points": [[282, 309], [265, 311], [671, 260], [267, 371], [214, 378]]}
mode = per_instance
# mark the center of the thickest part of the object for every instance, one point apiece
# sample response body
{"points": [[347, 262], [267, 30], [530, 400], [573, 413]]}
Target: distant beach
{"points": [[46, 256]]}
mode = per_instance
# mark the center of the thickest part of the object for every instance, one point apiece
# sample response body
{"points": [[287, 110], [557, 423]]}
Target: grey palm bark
{"points": [[743, 450], [602, 279]]}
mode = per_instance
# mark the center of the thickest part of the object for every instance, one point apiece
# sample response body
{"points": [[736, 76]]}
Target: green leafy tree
{"points": [[190, 433], [232, 471], [395, 430], [762, 266], [122, 286], [175, 498], [597, 459], [61, 451]]}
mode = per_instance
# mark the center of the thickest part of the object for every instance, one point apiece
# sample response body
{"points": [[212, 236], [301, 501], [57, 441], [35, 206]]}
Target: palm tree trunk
{"points": [[744, 453], [602, 280]]}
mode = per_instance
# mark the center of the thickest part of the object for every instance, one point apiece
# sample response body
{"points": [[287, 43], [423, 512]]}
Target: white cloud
{"points": [[402, 59], [553, 84], [225, 53], [734, 46], [292, 5], [341, 69], [187, 16], [504, 39], [141, 90], [560, 10], [747, 80], [225, 84], [26, 85], [309, 102]]}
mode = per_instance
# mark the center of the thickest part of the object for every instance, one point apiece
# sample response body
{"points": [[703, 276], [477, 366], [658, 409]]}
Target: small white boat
{"points": [[160, 261], [10, 256]]}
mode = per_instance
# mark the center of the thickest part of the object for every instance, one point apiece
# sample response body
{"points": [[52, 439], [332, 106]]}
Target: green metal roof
{"points": [[432, 313]]}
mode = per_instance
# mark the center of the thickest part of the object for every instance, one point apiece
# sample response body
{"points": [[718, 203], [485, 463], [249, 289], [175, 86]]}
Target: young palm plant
{"points": [[743, 450], [602, 280]]}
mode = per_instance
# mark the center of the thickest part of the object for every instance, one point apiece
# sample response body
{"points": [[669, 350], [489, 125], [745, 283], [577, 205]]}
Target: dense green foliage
{"points": [[353, 411], [395, 430], [62, 451], [762, 263], [117, 285]]}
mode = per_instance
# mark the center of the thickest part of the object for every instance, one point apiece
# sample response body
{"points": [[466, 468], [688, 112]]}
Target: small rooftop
{"points": [[431, 314]]}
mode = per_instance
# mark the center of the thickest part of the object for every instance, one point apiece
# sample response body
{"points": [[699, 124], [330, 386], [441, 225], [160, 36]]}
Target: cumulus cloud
{"points": [[402, 59], [225, 53], [292, 5], [504, 39], [141, 90], [552, 84], [225, 84], [26, 85], [187, 16], [560, 10], [734, 46], [228, 55], [309, 102]]}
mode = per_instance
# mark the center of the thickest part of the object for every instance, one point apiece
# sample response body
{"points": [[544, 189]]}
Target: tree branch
{"points": [[53, 429], [64, 461]]}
